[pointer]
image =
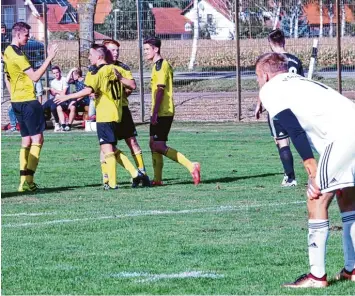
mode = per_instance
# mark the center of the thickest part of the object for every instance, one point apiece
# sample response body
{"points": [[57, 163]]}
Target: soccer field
{"points": [[238, 232]]}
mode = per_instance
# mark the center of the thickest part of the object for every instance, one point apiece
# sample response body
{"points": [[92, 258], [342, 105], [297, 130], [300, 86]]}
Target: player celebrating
{"points": [[104, 82], [315, 115], [162, 114], [277, 43], [127, 129], [27, 109]]}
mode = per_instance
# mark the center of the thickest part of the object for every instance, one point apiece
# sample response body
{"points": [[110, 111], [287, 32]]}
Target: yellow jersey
{"points": [[16, 63], [125, 71], [102, 80], [162, 74]]}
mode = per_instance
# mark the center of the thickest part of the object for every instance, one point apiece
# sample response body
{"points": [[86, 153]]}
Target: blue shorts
{"points": [[276, 129], [107, 132], [30, 117], [65, 105], [126, 128], [161, 130]]}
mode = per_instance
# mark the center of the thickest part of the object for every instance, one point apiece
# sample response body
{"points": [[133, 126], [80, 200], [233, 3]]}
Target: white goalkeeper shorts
{"points": [[336, 167]]}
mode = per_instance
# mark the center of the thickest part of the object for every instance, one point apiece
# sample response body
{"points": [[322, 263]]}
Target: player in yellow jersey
{"points": [[162, 114], [104, 83], [127, 129], [27, 109]]}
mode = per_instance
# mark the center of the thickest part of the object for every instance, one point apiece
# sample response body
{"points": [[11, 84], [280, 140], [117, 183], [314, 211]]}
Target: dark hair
{"points": [[3, 25], [153, 41], [56, 68], [277, 37], [272, 62], [111, 41], [20, 27], [78, 72], [101, 49]]}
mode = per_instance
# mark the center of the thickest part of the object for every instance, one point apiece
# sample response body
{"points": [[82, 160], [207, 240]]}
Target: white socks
{"points": [[318, 230], [348, 219]]}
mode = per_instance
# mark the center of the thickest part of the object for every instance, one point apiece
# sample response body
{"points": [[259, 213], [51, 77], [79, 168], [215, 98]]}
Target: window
{"points": [[209, 19]]}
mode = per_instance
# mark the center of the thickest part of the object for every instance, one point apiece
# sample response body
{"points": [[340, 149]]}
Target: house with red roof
{"points": [[61, 15], [171, 24], [215, 18]]}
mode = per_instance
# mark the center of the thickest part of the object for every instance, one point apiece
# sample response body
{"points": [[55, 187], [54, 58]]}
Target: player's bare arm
{"points": [[36, 75], [127, 83], [62, 98]]}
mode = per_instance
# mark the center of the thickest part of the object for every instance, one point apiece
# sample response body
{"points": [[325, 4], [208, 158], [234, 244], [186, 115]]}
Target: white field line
{"points": [[155, 213], [147, 277], [28, 214]]}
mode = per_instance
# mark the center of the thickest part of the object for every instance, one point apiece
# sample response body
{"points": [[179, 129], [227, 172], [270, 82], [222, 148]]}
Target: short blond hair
{"points": [[272, 62]]}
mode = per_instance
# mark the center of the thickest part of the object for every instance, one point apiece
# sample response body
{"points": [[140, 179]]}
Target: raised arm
{"points": [[36, 75]]}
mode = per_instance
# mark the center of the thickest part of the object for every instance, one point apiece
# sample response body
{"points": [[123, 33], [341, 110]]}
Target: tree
{"points": [[124, 15], [86, 11]]}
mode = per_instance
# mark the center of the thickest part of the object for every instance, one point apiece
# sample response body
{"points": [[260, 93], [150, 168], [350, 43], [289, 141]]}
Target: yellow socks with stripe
{"points": [[157, 166], [180, 158], [110, 167], [24, 152], [123, 160], [33, 159], [104, 172], [138, 159]]}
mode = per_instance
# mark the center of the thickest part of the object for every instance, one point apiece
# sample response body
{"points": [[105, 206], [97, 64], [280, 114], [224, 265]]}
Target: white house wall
{"points": [[224, 27]]}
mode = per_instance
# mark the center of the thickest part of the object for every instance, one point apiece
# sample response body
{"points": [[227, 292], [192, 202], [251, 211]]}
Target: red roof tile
{"points": [[103, 9], [312, 14], [170, 21]]}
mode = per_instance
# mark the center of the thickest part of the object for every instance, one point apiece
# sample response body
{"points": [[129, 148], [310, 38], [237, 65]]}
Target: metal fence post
{"points": [[140, 45], [338, 45], [45, 21], [238, 80]]}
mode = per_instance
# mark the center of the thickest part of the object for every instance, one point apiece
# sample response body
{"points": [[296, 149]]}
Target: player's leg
{"points": [[160, 138], [318, 230], [53, 108], [107, 140], [136, 151], [158, 164], [283, 146], [33, 125], [346, 202]]}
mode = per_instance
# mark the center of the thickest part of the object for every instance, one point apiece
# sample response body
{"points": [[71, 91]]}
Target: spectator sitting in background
{"points": [[59, 86], [75, 76]]}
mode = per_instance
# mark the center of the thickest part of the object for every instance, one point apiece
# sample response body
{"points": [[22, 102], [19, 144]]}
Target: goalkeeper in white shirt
{"points": [[316, 116]]}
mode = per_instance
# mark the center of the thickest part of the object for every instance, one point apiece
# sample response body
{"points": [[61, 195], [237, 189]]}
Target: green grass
{"points": [[239, 226]]}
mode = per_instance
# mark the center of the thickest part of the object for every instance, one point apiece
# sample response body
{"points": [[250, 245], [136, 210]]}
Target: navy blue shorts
{"points": [[276, 129], [65, 105], [30, 117], [161, 130], [126, 128], [107, 132]]}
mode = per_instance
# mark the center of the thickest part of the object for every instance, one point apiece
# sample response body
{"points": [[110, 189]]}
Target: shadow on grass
{"points": [[229, 179], [45, 190]]}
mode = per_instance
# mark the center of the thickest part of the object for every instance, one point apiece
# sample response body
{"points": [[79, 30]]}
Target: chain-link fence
{"points": [[199, 40]]}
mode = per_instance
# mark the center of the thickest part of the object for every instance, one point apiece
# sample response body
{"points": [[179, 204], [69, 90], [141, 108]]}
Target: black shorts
{"points": [[30, 117], [161, 130], [65, 105], [126, 128], [277, 131], [81, 104], [107, 132]]}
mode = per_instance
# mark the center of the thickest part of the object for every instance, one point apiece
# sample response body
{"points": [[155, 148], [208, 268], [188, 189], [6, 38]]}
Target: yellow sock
{"points": [[180, 158], [111, 169], [138, 159], [33, 159], [158, 164], [24, 152], [104, 172], [123, 160]]}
